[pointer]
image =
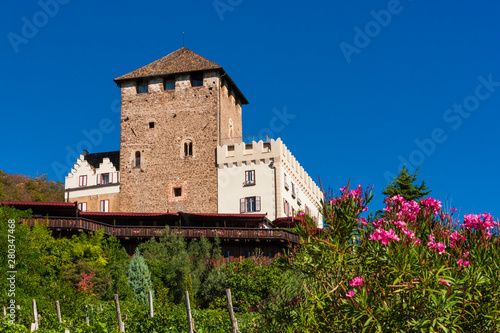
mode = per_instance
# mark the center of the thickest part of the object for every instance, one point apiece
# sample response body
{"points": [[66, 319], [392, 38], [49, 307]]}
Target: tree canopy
{"points": [[404, 185]]}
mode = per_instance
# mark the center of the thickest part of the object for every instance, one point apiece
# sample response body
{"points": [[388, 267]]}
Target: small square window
{"points": [[196, 80], [142, 86], [169, 83], [249, 178], [177, 191], [152, 124]]}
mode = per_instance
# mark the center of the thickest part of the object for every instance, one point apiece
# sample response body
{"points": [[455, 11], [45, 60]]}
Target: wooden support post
{"points": [[188, 310], [151, 313], [87, 315], [234, 322], [58, 310], [4, 312], [121, 326], [100, 306], [34, 326]]}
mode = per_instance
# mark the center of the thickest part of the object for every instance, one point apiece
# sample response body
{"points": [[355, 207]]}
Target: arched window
{"points": [[137, 160], [188, 148]]}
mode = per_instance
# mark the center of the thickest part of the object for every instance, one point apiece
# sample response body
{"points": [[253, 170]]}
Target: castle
{"points": [[182, 150]]}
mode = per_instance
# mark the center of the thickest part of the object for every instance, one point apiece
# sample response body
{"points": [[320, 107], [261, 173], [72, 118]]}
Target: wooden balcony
{"points": [[122, 231]]}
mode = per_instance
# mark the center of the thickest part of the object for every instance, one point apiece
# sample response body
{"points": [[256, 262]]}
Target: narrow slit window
{"points": [[188, 148], [137, 160]]}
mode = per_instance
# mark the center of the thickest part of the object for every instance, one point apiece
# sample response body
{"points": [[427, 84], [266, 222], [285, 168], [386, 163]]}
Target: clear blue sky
{"points": [[368, 83]]}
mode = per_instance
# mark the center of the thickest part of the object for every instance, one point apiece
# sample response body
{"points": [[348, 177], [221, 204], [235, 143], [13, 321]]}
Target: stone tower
{"points": [[174, 113]]}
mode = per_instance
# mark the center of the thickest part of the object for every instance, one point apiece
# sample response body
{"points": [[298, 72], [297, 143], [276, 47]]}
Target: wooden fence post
{"points": [[234, 322], [151, 313], [189, 317], [4, 311], [58, 310], [119, 314], [87, 315], [34, 326]]}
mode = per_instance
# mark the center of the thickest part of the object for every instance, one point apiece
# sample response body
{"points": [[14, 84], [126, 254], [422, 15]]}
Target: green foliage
{"points": [[403, 185], [173, 263], [23, 188], [139, 278], [426, 275]]}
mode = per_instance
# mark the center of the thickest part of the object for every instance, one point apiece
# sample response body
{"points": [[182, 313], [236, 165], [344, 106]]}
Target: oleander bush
{"points": [[415, 269]]}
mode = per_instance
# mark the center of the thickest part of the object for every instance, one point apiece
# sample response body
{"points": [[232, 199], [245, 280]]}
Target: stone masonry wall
{"points": [[186, 114]]}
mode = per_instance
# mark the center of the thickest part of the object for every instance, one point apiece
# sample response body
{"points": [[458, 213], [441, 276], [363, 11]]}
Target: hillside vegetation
{"points": [[23, 188]]}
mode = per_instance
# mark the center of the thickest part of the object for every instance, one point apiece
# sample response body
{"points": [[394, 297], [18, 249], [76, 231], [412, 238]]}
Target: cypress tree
{"points": [[139, 277]]}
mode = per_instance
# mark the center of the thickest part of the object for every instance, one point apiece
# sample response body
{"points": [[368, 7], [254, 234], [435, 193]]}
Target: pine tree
{"points": [[139, 278], [403, 185]]}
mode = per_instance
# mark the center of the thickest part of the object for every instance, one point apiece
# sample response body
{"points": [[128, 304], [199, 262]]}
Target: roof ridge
{"points": [[180, 61]]}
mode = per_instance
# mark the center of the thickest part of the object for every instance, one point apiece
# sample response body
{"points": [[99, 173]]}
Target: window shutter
{"points": [[246, 176], [253, 176], [242, 205], [284, 206], [257, 204], [110, 177], [98, 179]]}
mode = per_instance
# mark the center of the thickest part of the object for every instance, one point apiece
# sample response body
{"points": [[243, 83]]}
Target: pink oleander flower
{"points": [[455, 237], [444, 282], [461, 262], [466, 254], [302, 213], [384, 236], [357, 282], [417, 242], [433, 245], [432, 205], [350, 293], [363, 221], [479, 221]]}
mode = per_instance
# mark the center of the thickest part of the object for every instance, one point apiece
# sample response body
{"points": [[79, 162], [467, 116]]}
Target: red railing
{"points": [[155, 231]]}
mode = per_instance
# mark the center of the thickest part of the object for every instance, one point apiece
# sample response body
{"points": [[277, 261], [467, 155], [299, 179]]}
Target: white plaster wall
{"points": [[231, 188], [242, 154]]}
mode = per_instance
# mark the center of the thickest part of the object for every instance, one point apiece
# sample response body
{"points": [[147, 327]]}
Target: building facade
{"points": [[94, 182], [264, 177], [176, 115]]}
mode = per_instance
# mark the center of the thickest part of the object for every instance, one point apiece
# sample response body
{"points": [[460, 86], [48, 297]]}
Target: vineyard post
{"points": [[34, 326], [188, 310], [4, 312], [87, 315], [234, 322], [58, 310], [119, 314], [151, 313]]}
